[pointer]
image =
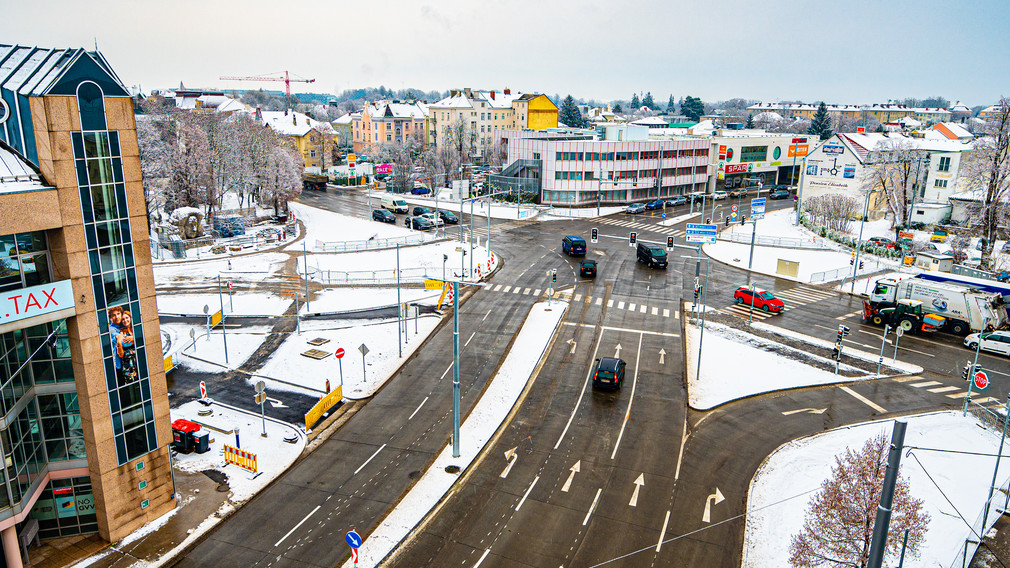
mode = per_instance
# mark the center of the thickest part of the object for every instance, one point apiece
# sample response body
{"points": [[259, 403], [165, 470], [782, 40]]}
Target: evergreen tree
{"points": [[671, 107], [647, 101], [750, 121], [635, 103], [821, 124], [693, 108], [569, 113], [617, 107]]}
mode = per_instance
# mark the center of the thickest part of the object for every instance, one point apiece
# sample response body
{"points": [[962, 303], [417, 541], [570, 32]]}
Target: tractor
{"points": [[905, 314]]}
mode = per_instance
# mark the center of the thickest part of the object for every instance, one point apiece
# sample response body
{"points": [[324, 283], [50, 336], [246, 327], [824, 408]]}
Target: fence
{"points": [[183, 248], [371, 244], [871, 266], [407, 275], [787, 242]]}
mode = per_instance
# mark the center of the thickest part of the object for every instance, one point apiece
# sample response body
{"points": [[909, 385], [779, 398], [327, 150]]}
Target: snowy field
{"points": [[779, 224], [428, 257], [478, 428], [744, 367], [256, 267], [564, 213], [327, 226], [240, 304], [208, 354], [785, 484], [349, 299], [289, 365], [810, 261]]}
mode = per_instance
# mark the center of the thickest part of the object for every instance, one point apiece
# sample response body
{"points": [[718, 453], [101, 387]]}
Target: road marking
{"points": [[506, 290], [497, 288], [468, 340], [925, 384], [581, 394], [662, 356], [638, 485], [369, 459], [906, 379], [568, 483], [655, 311], [631, 307], [943, 389], [844, 317], [676, 314], [634, 383], [300, 524], [592, 507], [487, 314], [578, 297], [627, 329], [610, 303], [446, 372], [418, 408], [666, 313], [527, 494], [526, 292], [810, 410], [715, 499], [662, 533], [620, 305], [482, 557], [987, 400], [515, 290], [958, 395], [599, 301], [864, 400], [574, 344], [510, 456], [536, 292], [643, 308]]}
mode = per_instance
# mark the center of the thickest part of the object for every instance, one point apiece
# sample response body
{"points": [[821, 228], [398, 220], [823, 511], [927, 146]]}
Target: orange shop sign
{"points": [[798, 150]]}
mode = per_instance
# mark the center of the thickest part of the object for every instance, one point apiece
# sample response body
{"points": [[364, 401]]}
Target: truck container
{"points": [[965, 308]]}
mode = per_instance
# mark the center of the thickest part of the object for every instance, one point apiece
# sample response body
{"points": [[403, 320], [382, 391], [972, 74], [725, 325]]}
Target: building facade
{"points": [[316, 141], [388, 123], [749, 158], [85, 427], [476, 115]]}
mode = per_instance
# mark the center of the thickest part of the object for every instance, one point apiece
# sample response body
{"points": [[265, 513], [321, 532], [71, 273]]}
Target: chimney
{"points": [[294, 119], [492, 95], [506, 91]]}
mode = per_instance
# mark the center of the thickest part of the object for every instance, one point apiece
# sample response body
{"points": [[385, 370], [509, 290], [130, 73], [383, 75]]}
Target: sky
{"points": [[852, 52]]}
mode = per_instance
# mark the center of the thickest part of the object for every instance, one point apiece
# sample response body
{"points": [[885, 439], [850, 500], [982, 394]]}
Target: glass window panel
{"points": [[112, 259], [136, 442], [133, 417], [108, 234], [91, 106], [96, 144], [75, 449], [130, 395], [114, 143], [104, 202], [82, 173], [117, 169], [115, 287], [36, 269], [121, 199], [64, 371], [98, 289], [96, 265], [76, 138]]}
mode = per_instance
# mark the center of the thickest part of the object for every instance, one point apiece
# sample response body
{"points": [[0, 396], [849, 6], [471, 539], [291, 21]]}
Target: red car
{"points": [[762, 299]]}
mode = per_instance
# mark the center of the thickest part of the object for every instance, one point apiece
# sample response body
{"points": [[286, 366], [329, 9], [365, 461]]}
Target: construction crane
{"points": [[286, 78]]}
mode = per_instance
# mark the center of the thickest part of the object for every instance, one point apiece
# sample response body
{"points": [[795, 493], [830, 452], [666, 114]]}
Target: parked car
{"points": [[995, 341], [587, 268], [383, 215], [761, 299], [653, 256], [939, 236], [418, 223], [739, 192], [779, 194], [720, 195], [635, 208], [676, 200], [882, 242], [697, 197], [609, 373], [653, 205], [418, 210], [573, 245], [435, 220], [448, 217], [420, 190]]}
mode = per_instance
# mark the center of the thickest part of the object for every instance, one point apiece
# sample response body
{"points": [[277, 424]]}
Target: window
{"points": [[752, 153], [312, 153], [940, 183], [944, 164]]}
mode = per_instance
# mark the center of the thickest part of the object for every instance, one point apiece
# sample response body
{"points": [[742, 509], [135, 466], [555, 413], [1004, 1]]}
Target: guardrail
{"points": [[372, 244], [389, 276], [788, 242]]}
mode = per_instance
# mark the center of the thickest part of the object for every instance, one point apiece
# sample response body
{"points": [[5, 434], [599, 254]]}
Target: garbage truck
{"points": [[966, 309]]}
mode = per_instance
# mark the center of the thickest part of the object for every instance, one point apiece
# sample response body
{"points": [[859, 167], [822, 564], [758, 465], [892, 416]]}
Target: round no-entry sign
{"points": [[981, 380], [339, 353]]}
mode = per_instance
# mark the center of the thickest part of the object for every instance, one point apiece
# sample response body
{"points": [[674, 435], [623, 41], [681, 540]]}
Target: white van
{"points": [[395, 205]]}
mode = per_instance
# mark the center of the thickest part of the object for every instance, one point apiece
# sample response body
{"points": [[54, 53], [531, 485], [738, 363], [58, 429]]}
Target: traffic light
{"points": [[708, 220], [843, 330], [860, 265], [743, 219], [835, 352], [632, 238], [595, 234], [727, 220], [669, 242], [966, 372], [554, 276]]}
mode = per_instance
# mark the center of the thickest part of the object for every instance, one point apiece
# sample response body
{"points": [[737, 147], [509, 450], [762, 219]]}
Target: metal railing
{"points": [[388, 276], [373, 244], [787, 242]]}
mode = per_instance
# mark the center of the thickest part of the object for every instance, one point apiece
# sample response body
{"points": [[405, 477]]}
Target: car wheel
{"points": [[765, 308], [973, 345], [739, 300], [958, 328]]}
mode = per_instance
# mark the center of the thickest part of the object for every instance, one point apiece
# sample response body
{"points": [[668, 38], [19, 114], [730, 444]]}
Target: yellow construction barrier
{"points": [[324, 404], [243, 459]]}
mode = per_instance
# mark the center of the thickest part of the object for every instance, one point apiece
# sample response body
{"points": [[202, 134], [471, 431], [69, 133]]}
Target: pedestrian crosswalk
{"points": [[937, 387], [642, 226], [577, 298], [792, 297]]}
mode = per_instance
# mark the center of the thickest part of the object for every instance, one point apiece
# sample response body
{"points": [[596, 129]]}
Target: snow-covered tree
{"points": [[569, 113], [401, 155], [987, 168], [750, 121], [648, 102], [894, 167], [839, 520], [832, 210], [636, 103], [281, 179], [821, 124]]}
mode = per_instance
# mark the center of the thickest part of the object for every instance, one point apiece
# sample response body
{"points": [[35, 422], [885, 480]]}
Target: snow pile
{"points": [[327, 226], [352, 299], [785, 484], [480, 425]]}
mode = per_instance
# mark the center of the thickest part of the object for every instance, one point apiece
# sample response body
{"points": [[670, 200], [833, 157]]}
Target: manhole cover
{"points": [[414, 474], [452, 469], [222, 488], [316, 354], [205, 412], [318, 341]]}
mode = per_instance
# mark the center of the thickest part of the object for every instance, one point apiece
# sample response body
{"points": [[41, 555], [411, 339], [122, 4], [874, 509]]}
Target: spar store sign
{"points": [[35, 301]]}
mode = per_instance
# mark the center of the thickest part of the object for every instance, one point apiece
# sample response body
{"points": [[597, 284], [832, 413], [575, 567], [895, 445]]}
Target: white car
{"points": [[720, 195], [995, 341], [435, 219]]}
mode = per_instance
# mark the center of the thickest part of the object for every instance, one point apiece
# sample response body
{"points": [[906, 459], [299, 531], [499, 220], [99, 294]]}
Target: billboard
{"points": [[35, 301]]}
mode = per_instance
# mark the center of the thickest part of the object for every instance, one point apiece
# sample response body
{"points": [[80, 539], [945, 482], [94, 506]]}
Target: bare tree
{"points": [[281, 178], [839, 520], [191, 176], [987, 168], [462, 138], [833, 211], [496, 153], [321, 136], [894, 168], [401, 156]]}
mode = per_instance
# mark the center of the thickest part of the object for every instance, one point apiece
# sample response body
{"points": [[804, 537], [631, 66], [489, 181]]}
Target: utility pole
{"points": [[224, 335], [399, 320], [883, 520], [455, 369]]}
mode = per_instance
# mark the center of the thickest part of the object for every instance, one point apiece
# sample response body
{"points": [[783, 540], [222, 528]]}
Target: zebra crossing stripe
{"points": [[631, 307], [506, 290], [526, 292], [610, 303], [666, 313], [958, 395], [620, 305], [643, 308], [925, 384], [578, 297], [943, 389], [655, 311], [599, 301], [516, 290], [496, 288], [536, 292]]}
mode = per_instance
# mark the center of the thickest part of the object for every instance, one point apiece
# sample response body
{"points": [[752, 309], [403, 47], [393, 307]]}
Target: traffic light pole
{"points": [[455, 369], [968, 377]]}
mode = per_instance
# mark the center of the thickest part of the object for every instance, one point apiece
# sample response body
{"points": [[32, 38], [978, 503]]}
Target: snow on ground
{"points": [[907, 368], [255, 267], [480, 425], [499, 210], [241, 303], [308, 376], [785, 484], [350, 299], [560, 213], [779, 223], [327, 226], [680, 219], [744, 367], [428, 257], [811, 261], [208, 353], [275, 455]]}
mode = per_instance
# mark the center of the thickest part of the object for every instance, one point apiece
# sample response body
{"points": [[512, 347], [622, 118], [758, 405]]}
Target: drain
{"points": [[453, 469], [414, 475]]}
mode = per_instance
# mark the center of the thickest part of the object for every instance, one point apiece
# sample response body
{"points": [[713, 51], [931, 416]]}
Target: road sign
{"points": [[702, 233], [339, 353], [430, 284], [203, 389], [734, 208], [664, 215], [364, 349], [260, 397], [981, 380], [757, 208], [230, 285], [353, 538], [260, 386]]}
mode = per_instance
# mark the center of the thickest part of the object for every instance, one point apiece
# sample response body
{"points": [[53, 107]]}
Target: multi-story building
{"points": [[478, 114], [388, 122], [316, 141], [747, 158], [615, 164], [85, 420], [807, 111], [884, 113]]}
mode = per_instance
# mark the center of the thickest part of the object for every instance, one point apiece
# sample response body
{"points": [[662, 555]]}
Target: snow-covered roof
{"points": [[769, 116], [959, 107], [499, 99], [909, 122], [651, 121], [346, 119], [976, 195], [863, 144], [395, 110], [18, 174], [952, 131], [292, 123], [37, 71], [458, 100]]}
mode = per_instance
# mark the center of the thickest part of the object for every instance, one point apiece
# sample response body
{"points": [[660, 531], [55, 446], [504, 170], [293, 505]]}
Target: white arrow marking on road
{"points": [[276, 403], [638, 485], [568, 484], [573, 343], [511, 456], [718, 498], [810, 410], [617, 353], [662, 356]]}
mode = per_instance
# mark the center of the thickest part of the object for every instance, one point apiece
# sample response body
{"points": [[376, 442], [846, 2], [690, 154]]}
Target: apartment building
{"points": [[85, 428], [480, 113], [884, 113], [388, 122]]}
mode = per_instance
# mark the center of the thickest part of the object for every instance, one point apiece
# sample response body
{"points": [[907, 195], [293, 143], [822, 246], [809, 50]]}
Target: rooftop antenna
{"points": [[96, 43]]}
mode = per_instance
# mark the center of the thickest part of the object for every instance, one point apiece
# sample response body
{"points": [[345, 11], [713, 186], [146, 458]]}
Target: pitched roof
{"points": [[292, 123], [395, 110], [35, 71]]}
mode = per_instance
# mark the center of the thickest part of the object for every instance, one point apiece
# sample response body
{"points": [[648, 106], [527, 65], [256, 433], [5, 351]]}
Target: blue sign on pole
{"points": [[701, 233], [757, 208], [664, 215], [353, 539]]}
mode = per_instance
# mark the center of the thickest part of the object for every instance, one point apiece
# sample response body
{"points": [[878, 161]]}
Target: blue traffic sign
{"points": [[664, 215], [757, 208], [701, 233], [353, 539]]}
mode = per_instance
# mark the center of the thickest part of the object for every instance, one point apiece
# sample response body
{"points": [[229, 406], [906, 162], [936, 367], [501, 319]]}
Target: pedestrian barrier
{"points": [[786, 242], [325, 403], [243, 459], [372, 244]]}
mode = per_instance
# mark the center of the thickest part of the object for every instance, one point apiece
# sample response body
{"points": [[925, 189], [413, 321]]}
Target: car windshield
{"points": [[767, 295], [659, 253], [400, 202]]}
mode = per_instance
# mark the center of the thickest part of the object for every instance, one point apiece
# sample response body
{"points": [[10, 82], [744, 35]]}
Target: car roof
{"points": [[588, 261], [574, 237], [756, 290], [608, 363]]}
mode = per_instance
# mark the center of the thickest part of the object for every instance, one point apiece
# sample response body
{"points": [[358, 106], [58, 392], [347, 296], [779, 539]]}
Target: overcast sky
{"points": [[848, 51]]}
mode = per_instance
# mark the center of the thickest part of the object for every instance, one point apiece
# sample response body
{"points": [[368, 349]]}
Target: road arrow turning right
{"points": [[810, 410], [573, 343], [717, 497], [571, 476]]}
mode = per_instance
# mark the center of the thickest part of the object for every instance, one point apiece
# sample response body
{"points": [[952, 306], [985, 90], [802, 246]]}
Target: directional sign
{"points": [[203, 389], [981, 380], [757, 208], [353, 539], [339, 353], [364, 349], [430, 284], [702, 233]]}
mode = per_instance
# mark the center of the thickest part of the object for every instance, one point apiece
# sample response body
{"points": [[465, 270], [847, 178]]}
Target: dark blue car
{"points": [[653, 205]]}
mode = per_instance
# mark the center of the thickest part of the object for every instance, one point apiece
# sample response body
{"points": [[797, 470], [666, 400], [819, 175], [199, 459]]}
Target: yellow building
{"points": [[314, 140], [534, 112], [483, 112]]}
